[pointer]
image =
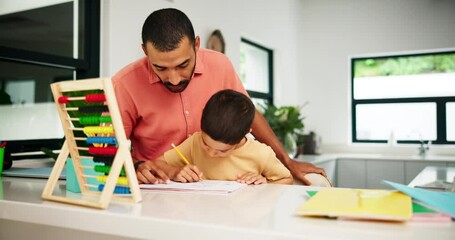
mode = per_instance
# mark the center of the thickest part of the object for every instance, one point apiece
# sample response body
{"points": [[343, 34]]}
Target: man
{"points": [[161, 96]]}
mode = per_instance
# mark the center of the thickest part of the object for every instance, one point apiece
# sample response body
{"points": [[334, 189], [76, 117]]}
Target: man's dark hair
{"points": [[227, 116], [165, 29]]}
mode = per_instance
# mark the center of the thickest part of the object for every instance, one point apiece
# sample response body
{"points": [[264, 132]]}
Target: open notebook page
{"points": [[216, 186]]}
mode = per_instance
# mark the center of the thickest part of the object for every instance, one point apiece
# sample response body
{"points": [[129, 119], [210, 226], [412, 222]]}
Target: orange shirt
{"points": [[154, 117]]}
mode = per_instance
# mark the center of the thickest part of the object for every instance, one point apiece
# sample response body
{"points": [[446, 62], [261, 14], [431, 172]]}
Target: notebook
{"points": [[208, 186], [359, 204], [440, 201]]}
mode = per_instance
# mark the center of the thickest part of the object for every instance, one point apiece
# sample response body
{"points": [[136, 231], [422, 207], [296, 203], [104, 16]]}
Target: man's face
{"points": [[174, 68]]}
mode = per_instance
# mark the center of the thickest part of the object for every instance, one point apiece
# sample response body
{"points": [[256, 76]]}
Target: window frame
{"points": [[441, 124], [88, 67], [263, 95]]}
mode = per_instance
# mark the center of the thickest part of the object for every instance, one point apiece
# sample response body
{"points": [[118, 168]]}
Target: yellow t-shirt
{"points": [[253, 157]]}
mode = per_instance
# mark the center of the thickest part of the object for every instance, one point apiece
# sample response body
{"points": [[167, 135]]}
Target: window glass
{"points": [[407, 121], [259, 102], [27, 106], [25, 83], [405, 77], [254, 70], [46, 29], [450, 115]]}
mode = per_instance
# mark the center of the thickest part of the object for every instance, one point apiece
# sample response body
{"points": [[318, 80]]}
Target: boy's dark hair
{"points": [[165, 29], [227, 116]]}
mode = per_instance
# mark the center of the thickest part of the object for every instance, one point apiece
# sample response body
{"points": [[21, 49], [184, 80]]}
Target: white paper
{"points": [[216, 186]]}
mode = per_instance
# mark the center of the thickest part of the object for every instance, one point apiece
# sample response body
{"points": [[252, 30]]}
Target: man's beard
{"points": [[177, 88]]}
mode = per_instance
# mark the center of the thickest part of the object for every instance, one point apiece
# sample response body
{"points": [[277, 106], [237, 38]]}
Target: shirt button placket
{"points": [[186, 113]]}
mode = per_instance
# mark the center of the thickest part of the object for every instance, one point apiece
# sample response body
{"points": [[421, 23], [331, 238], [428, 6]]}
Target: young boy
{"points": [[221, 150]]}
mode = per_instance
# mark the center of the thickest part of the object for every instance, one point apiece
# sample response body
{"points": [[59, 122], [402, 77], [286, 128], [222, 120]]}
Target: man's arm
{"points": [[152, 172], [263, 133]]}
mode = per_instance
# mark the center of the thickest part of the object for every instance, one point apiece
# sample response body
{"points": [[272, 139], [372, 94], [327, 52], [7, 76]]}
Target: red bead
{"points": [[63, 99], [95, 98]]}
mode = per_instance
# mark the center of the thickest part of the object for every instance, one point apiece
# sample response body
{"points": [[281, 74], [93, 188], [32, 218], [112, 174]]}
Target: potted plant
{"points": [[287, 124]]}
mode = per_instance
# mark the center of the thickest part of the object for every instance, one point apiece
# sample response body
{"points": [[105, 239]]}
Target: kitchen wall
{"points": [[312, 41]]}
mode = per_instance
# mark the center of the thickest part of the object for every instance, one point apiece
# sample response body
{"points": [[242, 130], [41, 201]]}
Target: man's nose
{"points": [[174, 78]]}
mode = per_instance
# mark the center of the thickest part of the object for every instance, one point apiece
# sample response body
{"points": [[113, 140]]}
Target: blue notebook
{"points": [[443, 202]]}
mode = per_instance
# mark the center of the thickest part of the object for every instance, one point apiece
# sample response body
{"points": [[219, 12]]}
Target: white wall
{"points": [[312, 41], [331, 31]]}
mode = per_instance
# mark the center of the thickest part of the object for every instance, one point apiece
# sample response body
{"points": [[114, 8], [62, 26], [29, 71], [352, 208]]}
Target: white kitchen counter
{"points": [[255, 212], [365, 156]]}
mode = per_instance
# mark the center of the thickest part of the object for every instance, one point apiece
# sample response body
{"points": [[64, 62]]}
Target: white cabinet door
{"points": [[413, 168], [378, 170], [351, 173]]}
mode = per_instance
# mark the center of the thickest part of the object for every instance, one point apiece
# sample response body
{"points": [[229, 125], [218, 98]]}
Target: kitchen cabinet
{"points": [[351, 173], [364, 172], [413, 168], [378, 170]]}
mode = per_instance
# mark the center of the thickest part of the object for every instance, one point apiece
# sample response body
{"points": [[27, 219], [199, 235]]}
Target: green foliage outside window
{"points": [[394, 66]]}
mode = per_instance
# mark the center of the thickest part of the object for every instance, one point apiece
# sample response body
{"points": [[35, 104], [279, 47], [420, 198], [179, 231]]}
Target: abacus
{"points": [[93, 130]]}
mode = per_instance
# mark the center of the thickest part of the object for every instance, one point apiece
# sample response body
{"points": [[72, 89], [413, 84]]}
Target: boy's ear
{"points": [[250, 130]]}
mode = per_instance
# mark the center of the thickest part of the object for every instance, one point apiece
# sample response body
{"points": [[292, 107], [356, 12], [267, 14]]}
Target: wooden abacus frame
{"points": [[95, 199]]}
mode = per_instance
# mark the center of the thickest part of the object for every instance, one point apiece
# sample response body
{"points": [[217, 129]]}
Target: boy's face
{"points": [[215, 148]]}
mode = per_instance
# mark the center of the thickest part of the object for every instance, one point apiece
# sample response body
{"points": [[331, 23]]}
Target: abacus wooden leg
{"points": [[55, 173]]}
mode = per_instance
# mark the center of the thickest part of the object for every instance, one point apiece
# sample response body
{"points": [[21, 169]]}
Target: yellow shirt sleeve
{"points": [[174, 159], [273, 168]]}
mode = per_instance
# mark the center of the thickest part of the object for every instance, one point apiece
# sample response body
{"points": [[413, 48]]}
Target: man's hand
{"points": [[299, 169], [251, 178], [150, 173], [188, 173]]}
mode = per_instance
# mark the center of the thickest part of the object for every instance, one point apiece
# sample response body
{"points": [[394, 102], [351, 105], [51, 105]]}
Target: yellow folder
{"points": [[359, 204]]}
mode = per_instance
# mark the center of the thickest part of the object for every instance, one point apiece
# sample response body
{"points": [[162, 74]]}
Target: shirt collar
{"points": [[199, 69]]}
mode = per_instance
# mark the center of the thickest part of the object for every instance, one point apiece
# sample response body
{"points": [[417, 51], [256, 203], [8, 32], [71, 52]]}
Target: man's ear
{"points": [[197, 43], [144, 49], [250, 130]]}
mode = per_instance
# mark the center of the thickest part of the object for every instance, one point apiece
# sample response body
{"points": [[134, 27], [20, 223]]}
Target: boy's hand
{"points": [[189, 173], [251, 178]]}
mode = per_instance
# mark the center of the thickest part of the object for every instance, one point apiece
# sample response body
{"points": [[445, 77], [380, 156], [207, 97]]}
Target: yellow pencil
{"points": [[180, 154]]}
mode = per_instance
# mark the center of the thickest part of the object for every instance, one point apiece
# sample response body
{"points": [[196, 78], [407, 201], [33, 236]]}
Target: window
{"points": [[42, 43], [256, 71], [411, 96]]}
